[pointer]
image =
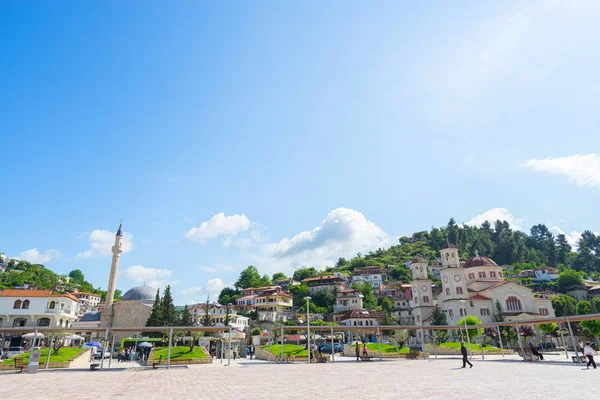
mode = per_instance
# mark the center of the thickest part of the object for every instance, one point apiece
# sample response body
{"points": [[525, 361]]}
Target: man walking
{"points": [[589, 353], [463, 351], [357, 351]]}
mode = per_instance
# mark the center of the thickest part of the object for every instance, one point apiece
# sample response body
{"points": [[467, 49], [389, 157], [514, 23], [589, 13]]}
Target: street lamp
{"points": [[308, 298], [467, 331]]}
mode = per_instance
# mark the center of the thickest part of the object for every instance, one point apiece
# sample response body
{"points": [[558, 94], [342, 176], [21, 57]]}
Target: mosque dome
{"points": [[140, 293]]}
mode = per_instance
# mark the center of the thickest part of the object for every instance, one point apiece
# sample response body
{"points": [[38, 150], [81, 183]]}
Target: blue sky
{"points": [[284, 135]]}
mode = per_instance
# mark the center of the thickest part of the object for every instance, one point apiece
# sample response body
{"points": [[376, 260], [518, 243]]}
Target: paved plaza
{"points": [[431, 379]]}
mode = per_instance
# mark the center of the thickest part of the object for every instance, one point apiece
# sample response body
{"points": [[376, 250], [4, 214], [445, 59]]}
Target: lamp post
{"points": [[467, 331], [308, 298]]}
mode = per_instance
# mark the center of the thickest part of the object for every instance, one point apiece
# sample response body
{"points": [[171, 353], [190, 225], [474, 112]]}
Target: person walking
{"points": [[357, 351], [234, 353], [463, 351], [580, 347], [365, 352], [251, 351], [589, 352]]}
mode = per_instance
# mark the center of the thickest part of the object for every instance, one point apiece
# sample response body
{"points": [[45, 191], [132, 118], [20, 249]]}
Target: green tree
{"points": [[548, 329], [593, 326], [155, 318], [438, 317], [584, 307], [249, 277], [206, 319], [324, 298], [228, 295], [569, 278], [471, 320], [387, 306], [278, 276], [305, 272], [227, 315], [77, 276], [369, 300], [186, 317], [168, 312], [564, 305], [563, 249]]}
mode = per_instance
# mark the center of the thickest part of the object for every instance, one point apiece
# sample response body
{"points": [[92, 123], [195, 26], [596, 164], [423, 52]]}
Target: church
{"points": [[472, 288], [134, 308]]}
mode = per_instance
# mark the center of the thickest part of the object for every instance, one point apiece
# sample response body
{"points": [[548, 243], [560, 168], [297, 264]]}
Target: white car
{"points": [[14, 351]]}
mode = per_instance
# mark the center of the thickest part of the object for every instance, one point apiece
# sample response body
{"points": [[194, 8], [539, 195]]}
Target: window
{"points": [[484, 311], [418, 318], [471, 275], [17, 304], [459, 290], [462, 312], [544, 311], [513, 303], [425, 299], [25, 305], [499, 274], [492, 274], [447, 292], [451, 313], [416, 300], [482, 275]]}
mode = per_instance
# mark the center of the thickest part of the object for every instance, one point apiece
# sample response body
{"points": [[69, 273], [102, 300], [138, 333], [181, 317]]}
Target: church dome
{"points": [[140, 293], [418, 260], [480, 261], [449, 245]]}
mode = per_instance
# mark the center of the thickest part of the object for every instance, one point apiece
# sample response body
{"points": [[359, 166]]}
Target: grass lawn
{"points": [[65, 354], [385, 348], [456, 345], [180, 353], [295, 350]]}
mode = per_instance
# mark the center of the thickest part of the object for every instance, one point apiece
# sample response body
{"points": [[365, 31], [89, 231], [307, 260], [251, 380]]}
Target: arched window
{"points": [[451, 313], [416, 300], [60, 323], [447, 292], [544, 311], [19, 322], [425, 299], [500, 274], [482, 275], [484, 311], [459, 290], [418, 318], [463, 312], [513, 303], [471, 275], [492, 274], [43, 322], [17, 304], [25, 305]]}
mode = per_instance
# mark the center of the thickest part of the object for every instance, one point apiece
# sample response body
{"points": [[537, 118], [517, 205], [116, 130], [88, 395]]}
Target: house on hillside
{"points": [[274, 305], [359, 317], [286, 283], [347, 299], [218, 316], [375, 275], [546, 274], [331, 283], [30, 308]]}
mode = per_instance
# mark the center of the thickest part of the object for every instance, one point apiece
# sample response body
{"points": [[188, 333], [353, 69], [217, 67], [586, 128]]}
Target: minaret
{"points": [[117, 249]]}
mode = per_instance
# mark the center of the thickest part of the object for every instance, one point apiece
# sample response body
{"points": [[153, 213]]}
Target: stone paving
{"points": [[397, 379]]}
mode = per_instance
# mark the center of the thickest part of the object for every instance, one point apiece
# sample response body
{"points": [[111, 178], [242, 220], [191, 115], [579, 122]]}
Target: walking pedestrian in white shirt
{"points": [[589, 353]]}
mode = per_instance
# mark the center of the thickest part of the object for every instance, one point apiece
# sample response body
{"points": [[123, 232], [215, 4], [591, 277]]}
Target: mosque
{"points": [[472, 288], [134, 308]]}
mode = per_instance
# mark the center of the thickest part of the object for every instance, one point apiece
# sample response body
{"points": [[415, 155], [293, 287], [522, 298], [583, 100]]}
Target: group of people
{"points": [[365, 352], [129, 354]]}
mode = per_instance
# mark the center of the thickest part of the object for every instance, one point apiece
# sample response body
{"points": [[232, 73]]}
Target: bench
{"points": [[157, 363], [413, 354], [19, 364], [582, 358], [94, 366]]}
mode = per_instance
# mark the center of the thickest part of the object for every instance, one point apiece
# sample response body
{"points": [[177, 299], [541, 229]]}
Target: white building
{"points": [[546, 274], [473, 289], [218, 315], [375, 275], [89, 301], [360, 317], [347, 300], [29, 308]]}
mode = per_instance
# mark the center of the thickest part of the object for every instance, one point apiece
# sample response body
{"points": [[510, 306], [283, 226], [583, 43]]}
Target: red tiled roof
{"points": [[418, 260], [480, 261], [479, 297], [318, 278], [449, 245], [34, 293], [264, 294]]}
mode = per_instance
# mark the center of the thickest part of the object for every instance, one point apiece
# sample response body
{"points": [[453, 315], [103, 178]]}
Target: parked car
{"points": [[14, 351], [545, 346], [326, 348]]}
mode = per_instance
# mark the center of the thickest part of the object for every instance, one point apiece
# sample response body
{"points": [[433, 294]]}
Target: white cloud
{"points": [[219, 225], [154, 277], [82, 235], [343, 233], [572, 238], [35, 257], [583, 170], [217, 268], [212, 289], [495, 214], [101, 242]]}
